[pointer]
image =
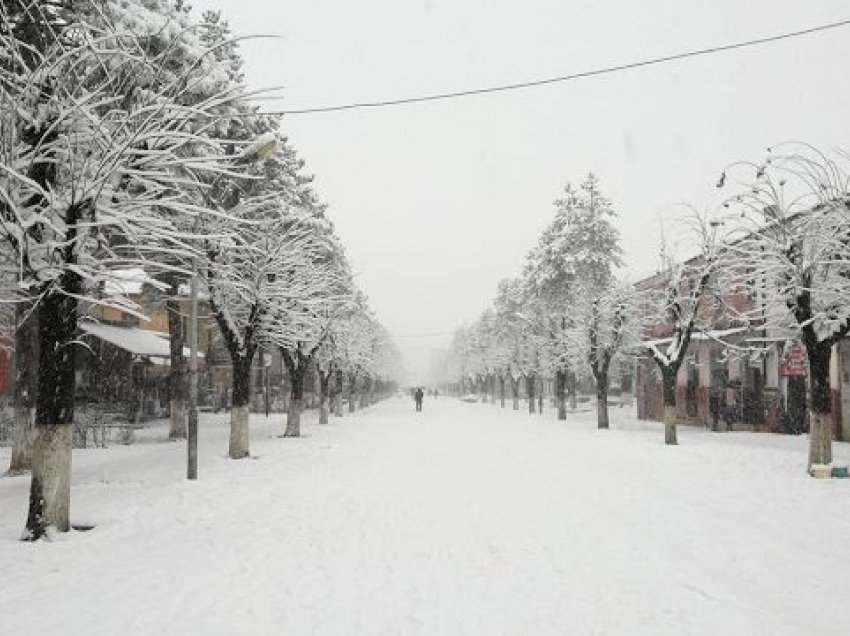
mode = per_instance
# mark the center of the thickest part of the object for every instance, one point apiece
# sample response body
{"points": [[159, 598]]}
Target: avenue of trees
{"points": [[565, 317], [128, 140], [772, 259]]}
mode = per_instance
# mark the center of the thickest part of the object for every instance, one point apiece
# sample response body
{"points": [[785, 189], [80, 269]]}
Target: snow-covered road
{"points": [[463, 519]]}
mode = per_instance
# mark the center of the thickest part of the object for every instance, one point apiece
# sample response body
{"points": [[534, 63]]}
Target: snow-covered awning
{"points": [[140, 342]]}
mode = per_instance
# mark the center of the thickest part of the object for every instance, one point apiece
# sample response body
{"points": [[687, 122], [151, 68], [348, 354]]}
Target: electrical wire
{"points": [[563, 78]]}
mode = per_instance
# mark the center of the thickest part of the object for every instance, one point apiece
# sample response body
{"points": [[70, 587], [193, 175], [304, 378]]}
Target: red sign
{"points": [[793, 362]]}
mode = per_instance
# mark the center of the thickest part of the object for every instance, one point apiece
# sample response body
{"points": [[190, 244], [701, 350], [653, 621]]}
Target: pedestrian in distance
{"points": [[417, 397]]}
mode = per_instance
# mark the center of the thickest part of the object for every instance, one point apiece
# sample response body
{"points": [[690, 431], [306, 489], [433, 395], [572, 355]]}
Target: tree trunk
{"points": [[296, 402], [324, 384], [21, 460], [56, 326], [338, 395], [26, 386], [177, 373], [368, 387], [352, 380], [820, 431], [560, 393], [515, 393], [668, 379], [529, 387], [602, 399], [540, 397], [502, 390], [240, 431], [50, 488], [572, 387]]}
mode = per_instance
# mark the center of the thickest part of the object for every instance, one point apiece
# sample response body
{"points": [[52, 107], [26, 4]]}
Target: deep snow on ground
{"points": [[463, 519]]}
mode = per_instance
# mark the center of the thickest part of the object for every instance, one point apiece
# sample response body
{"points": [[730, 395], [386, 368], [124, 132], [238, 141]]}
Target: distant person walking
{"points": [[417, 397]]}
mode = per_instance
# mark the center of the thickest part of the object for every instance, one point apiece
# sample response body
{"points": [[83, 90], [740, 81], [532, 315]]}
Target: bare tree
{"points": [[671, 301], [791, 251], [606, 326]]}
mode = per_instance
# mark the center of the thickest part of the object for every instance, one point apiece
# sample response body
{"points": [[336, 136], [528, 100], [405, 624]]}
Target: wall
{"points": [[5, 372]]}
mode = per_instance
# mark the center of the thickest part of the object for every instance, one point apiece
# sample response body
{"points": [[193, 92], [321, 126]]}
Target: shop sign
{"points": [[794, 362]]}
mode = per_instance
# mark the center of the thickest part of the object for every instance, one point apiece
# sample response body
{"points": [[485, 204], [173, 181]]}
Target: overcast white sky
{"points": [[436, 202]]}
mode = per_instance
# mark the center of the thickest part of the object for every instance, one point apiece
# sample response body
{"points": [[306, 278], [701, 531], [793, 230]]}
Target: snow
{"points": [[262, 147], [464, 519], [137, 341], [128, 282]]}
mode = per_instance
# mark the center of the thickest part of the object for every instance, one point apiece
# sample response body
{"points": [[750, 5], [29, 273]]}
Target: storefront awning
{"points": [[139, 342]]}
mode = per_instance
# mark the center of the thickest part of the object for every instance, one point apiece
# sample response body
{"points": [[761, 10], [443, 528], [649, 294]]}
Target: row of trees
{"points": [[129, 140], [773, 260], [564, 316]]}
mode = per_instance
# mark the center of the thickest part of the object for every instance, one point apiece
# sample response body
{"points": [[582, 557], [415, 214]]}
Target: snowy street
{"points": [[464, 519]]}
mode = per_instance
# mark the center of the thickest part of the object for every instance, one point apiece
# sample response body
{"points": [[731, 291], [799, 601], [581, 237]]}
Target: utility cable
{"points": [[563, 78]]}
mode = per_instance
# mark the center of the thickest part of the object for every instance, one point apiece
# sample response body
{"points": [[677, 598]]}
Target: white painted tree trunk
{"points": [[323, 410], [240, 432], [820, 439], [601, 414], [670, 425], [293, 418], [22, 446], [50, 489], [338, 405], [178, 420]]}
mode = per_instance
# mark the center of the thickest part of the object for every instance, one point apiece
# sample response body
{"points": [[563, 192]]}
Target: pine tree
{"points": [[570, 272]]}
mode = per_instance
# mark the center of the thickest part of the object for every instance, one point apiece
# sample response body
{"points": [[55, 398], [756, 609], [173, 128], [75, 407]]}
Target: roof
{"points": [[140, 342], [127, 282]]}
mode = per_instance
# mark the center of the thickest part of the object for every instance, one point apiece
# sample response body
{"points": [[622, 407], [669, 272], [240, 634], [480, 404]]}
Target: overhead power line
{"points": [[563, 78]]}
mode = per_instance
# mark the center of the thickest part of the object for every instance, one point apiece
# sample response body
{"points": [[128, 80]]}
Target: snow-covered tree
{"points": [[669, 302], [791, 252], [314, 320], [606, 325], [94, 184], [570, 273], [354, 350], [515, 331], [257, 279]]}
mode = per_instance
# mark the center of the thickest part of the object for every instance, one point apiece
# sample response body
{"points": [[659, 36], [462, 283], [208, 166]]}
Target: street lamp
{"points": [[261, 149], [192, 436]]}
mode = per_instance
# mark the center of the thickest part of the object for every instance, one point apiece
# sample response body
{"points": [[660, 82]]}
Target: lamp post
{"points": [[259, 150], [192, 441]]}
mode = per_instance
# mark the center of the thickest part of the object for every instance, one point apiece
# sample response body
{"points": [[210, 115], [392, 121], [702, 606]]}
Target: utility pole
{"points": [[266, 369], [192, 441]]}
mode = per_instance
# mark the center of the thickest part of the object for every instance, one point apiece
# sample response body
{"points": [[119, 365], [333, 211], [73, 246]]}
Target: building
{"points": [[751, 377]]}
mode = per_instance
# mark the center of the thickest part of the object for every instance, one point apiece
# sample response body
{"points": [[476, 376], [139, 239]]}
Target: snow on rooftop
{"points": [[126, 282]]}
